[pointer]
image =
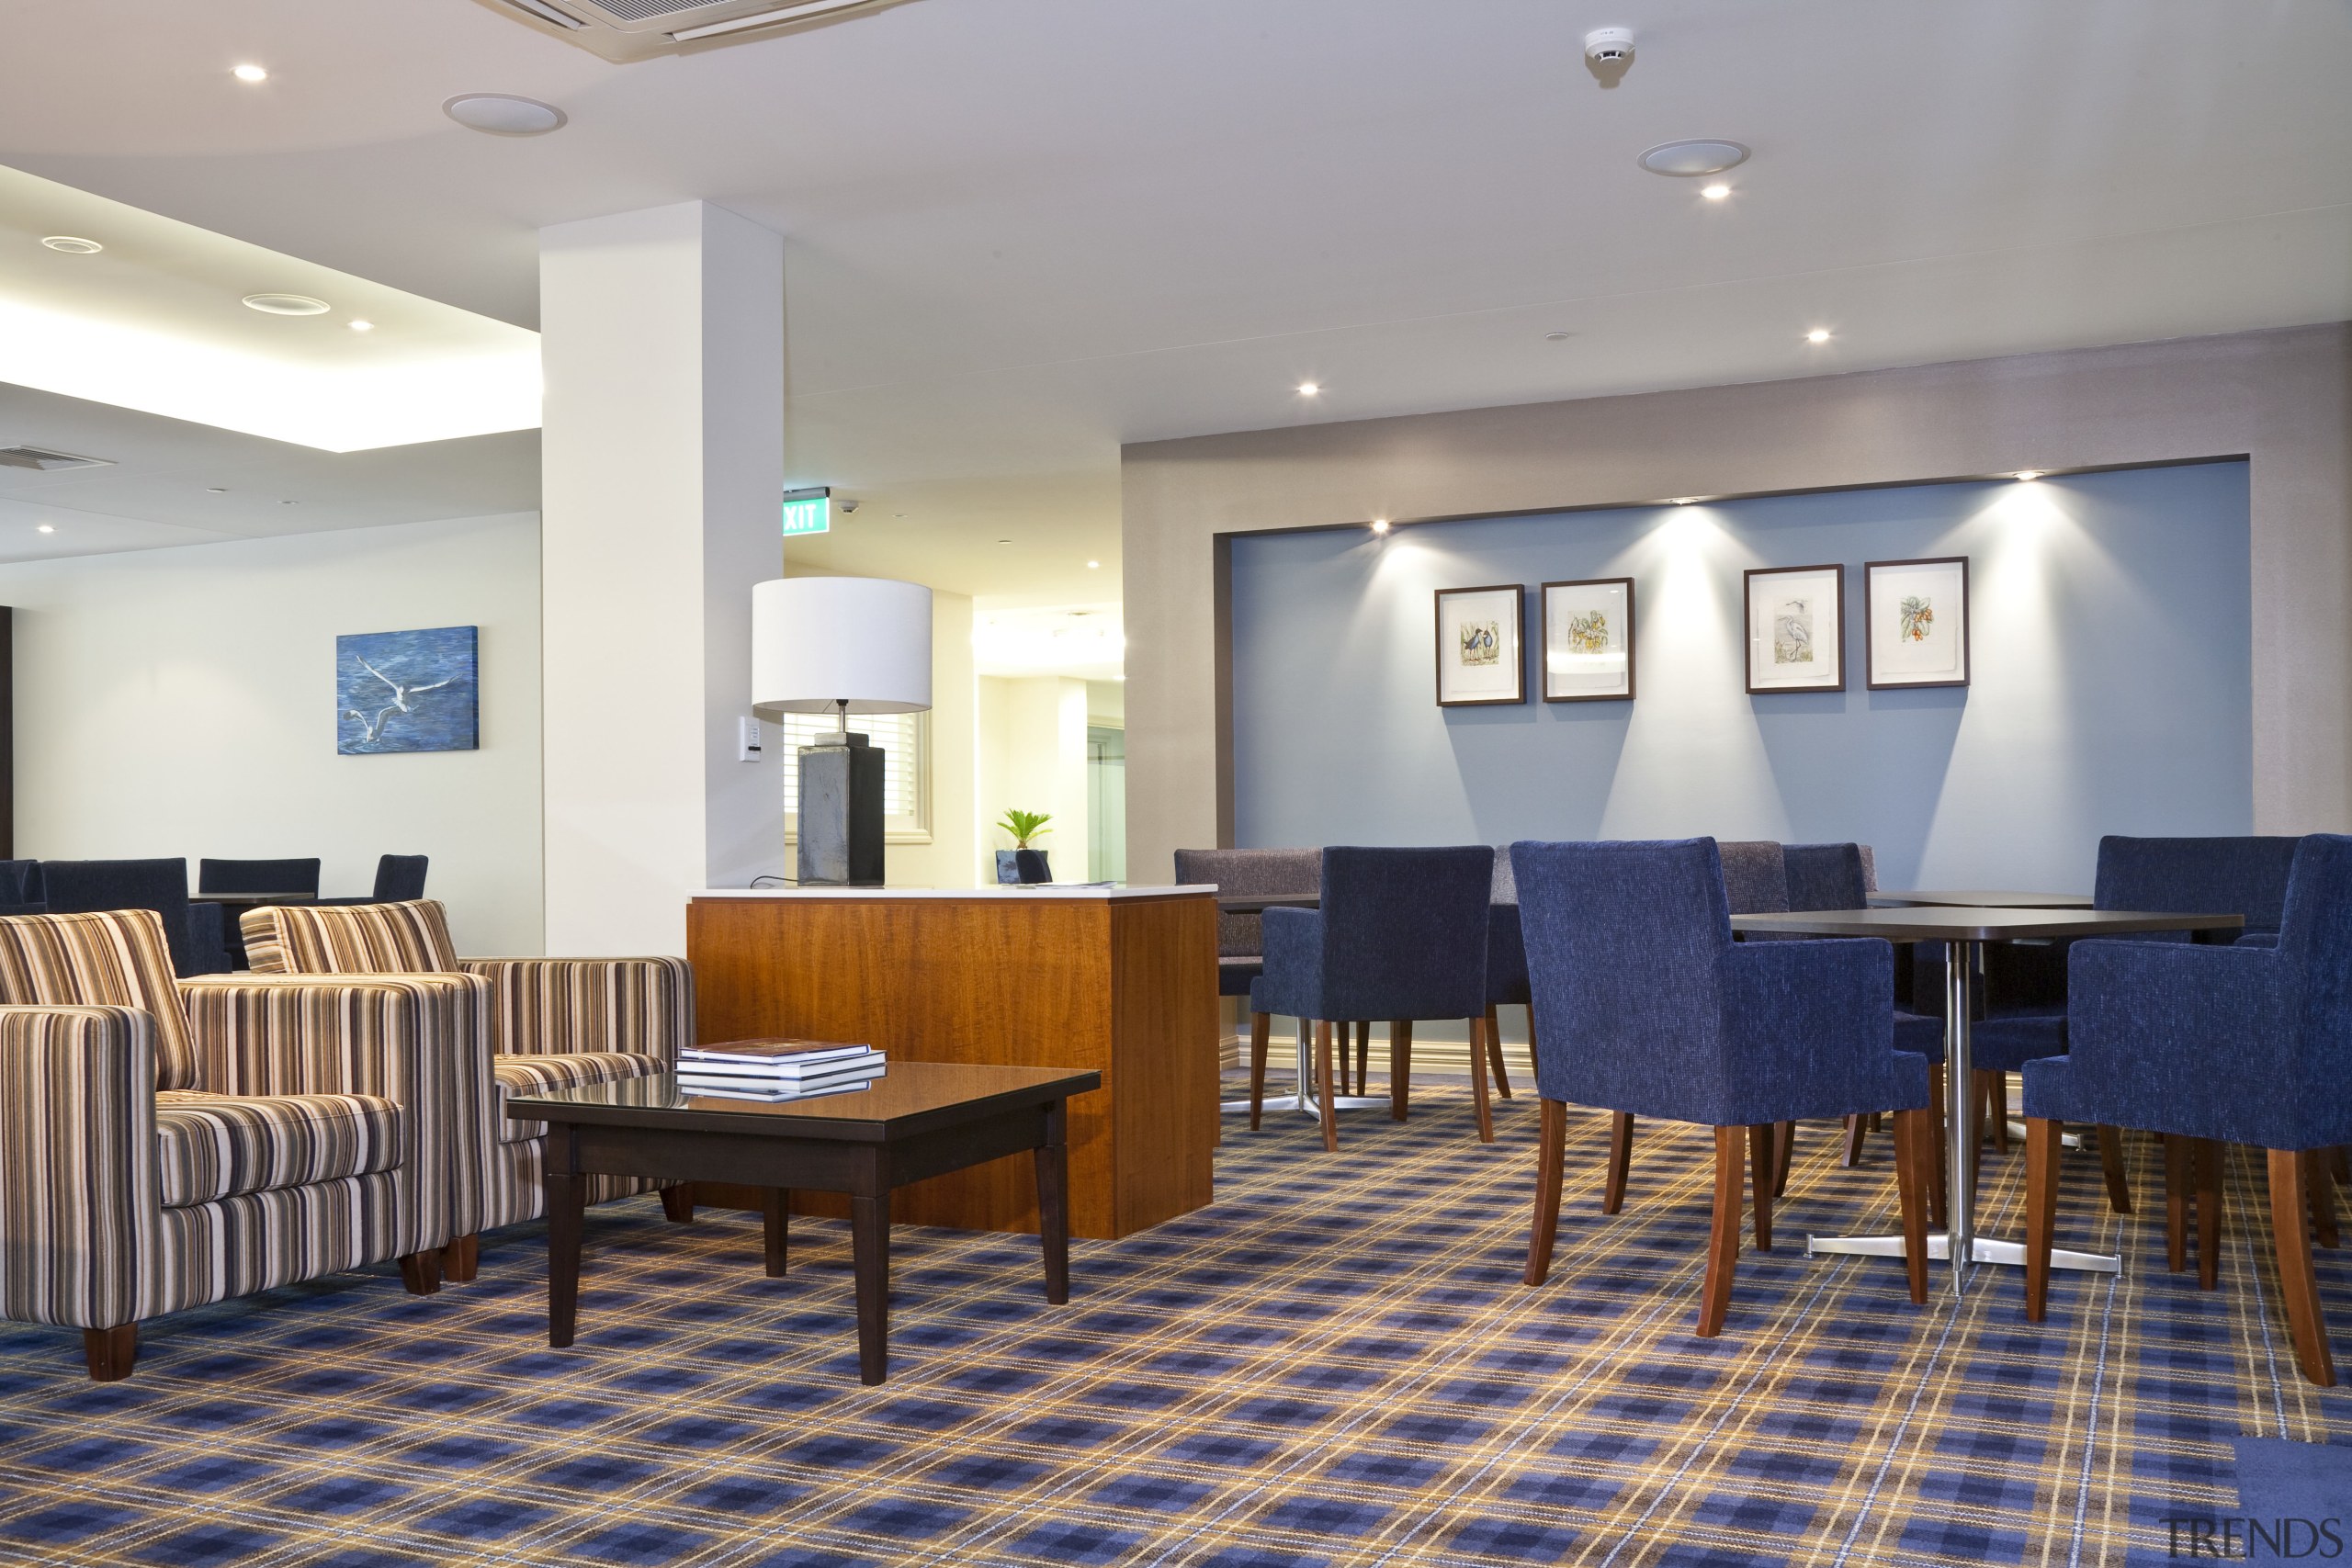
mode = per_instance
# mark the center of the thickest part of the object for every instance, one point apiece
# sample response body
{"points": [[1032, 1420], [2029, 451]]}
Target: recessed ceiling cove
{"points": [[168, 319]]}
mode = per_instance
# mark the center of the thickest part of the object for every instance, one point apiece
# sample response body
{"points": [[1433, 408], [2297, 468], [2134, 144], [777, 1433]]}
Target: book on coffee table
{"points": [[770, 1094], [778, 1057]]}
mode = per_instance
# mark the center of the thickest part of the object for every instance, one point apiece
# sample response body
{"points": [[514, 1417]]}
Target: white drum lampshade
{"points": [[818, 642]]}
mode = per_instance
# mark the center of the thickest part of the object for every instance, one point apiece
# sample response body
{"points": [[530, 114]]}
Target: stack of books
{"points": [[777, 1069]]}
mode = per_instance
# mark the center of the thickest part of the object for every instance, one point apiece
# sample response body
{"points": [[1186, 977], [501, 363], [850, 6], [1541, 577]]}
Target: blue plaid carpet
{"points": [[1334, 1365]]}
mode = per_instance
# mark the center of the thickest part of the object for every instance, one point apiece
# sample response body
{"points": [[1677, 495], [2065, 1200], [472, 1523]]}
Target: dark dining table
{"points": [[1967, 931], [1967, 899]]}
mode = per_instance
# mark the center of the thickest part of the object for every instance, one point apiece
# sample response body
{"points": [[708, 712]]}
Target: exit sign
{"points": [[808, 510]]}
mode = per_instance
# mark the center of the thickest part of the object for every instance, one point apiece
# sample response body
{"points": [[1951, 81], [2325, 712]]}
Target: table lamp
{"points": [[839, 645]]}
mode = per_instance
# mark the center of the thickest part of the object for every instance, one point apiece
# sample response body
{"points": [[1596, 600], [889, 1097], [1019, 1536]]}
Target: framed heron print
{"points": [[1589, 641], [1796, 630], [1917, 616], [1478, 657]]}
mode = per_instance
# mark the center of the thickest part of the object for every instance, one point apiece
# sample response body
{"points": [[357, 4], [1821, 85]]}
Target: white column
{"points": [[661, 464]]}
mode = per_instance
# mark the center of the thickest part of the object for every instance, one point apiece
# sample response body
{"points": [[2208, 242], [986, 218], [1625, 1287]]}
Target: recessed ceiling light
{"points": [[288, 305], [250, 74], [503, 114], [362, 326], [2028, 475], [216, 490], [1686, 500], [1309, 389], [1716, 192], [1818, 335], [1004, 541], [1380, 525], [1683, 159], [1094, 566], [73, 245], [1557, 337], [47, 528]]}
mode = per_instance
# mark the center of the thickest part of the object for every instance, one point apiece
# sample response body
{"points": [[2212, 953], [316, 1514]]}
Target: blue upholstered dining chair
{"points": [[1647, 1006], [400, 879], [1400, 935], [1240, 950], [2190, 876], [2250, 1043], [199, 941]]}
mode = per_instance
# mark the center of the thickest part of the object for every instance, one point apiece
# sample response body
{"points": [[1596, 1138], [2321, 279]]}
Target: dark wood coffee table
{"points": [[920, 1119]]}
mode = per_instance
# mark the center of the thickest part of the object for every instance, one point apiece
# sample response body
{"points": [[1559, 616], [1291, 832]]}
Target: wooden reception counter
{"points": [[1120, 980]]}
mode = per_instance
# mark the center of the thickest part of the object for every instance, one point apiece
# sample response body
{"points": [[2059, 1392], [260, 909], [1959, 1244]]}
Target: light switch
{"points": [[749, 747]]}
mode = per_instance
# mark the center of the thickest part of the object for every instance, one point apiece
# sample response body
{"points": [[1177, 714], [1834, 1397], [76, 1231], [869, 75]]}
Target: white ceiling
{"points": [[1023, 231]]}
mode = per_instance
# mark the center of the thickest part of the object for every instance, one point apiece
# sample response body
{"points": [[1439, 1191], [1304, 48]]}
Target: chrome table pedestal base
{"points": [[1302, 1099], [1982, 1249]]}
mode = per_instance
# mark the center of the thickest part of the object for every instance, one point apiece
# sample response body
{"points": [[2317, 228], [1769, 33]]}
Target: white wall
{"points": [[181, 702], [948, 859], [1032, 756]]}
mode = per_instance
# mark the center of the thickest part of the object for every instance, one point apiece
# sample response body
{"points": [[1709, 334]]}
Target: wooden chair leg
{"points": [[2110, 1165], [1400, 1068], [1478, 1081], [2291, 1233], [1620, 1155], [1550, 1161], [2041, 1212], [1323, 1084], [2177, 1184], [678, 1203], [1760, 1141], [1854, 1135], [2205, 1165], [461, 1258], [1996, 1107], [1494, 1052], [1911, 1196], [110, 1352], [2322, 1194], [1784, 1144], [1261, 1031], [1364, 1057], [1723, 1234]]}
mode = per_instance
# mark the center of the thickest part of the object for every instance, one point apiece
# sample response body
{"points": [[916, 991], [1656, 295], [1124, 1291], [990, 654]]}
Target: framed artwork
{"points": [[1478, 657], [407, 692], [1589, 641], [1796, 630], [1916, 614]]}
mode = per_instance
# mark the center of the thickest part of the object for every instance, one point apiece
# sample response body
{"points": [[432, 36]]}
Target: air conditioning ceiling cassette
{"points": [[624, 30]]}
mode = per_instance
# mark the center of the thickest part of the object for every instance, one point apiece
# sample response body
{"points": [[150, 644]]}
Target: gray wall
{"points": [[2111, 681], [2281, 399]]}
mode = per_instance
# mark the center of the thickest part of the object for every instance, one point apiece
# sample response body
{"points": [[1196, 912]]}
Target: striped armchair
{"points": [[169, 1146], [554, 1023]]}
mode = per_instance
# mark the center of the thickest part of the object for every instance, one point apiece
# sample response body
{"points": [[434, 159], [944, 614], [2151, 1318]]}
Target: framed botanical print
{"points": [[1796, 630], [1916, 614], [1589, 641], [1479, 658]]}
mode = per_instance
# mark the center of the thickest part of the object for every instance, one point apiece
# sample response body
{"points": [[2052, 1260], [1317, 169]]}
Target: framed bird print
{"points": [[1479, 658], [1916, 612], [416, 691], [1589, 641], [1796, 630]]}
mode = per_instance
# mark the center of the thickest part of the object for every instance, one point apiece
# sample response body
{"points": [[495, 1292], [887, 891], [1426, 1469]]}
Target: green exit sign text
{"points": [[807, 512]]}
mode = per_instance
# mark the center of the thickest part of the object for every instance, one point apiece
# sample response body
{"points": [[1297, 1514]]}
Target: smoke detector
{"points": [[623, 31], [1609, 46]]}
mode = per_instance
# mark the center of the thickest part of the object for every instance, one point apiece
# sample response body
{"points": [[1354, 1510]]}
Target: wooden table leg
{"points": [[565, 1206], [869, 1220], [775, 1223], [1053, 1205]]}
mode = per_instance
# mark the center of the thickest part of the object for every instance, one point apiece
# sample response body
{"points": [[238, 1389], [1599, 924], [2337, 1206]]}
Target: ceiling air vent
{"points": [[46, 461], [640, 29]]}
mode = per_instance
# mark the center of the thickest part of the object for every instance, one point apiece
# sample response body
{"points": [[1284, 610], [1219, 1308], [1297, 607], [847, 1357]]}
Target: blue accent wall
{"points": [[2112, 682]]}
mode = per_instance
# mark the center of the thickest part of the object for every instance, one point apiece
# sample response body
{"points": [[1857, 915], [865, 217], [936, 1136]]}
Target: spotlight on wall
{"points": [[1380, 525], [2028, 475]]}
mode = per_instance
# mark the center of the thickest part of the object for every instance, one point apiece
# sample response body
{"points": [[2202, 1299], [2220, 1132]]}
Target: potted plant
{"points": [[1020, 862]]}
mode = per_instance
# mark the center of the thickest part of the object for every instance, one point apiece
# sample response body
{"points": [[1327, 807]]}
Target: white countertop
{"points": [[1044, 890]]}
